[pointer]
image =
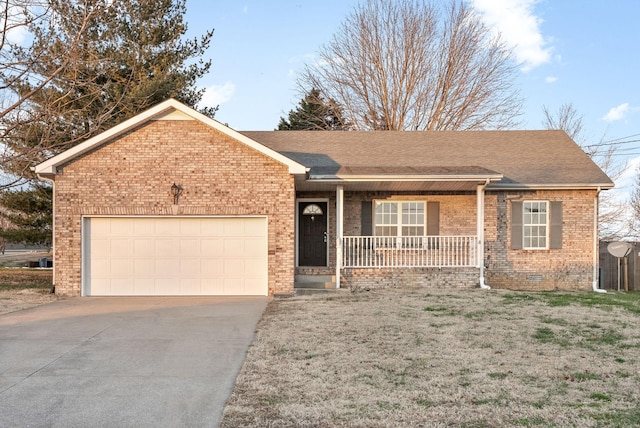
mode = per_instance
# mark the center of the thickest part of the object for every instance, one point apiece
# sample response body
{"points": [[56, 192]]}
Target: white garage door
{"points": [[174, 256]]}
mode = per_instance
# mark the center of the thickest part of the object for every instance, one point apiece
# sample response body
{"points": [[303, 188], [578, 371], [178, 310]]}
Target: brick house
{"points": [[171, 202]]}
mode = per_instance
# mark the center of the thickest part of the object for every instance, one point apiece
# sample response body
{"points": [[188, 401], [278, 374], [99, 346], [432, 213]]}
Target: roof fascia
{"points": [[48, 167]]}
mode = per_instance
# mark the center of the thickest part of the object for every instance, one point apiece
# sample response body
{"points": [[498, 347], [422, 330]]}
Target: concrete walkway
{"points": [[124, 362]]}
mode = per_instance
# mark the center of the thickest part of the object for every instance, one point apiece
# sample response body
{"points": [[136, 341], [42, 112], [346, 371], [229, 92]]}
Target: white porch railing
{"points": [[409, 251]]}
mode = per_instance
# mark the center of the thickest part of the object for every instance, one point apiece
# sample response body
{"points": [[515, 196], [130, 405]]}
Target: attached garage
{"points": [[162, 256]]}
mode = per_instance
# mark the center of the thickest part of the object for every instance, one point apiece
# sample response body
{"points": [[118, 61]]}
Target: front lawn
{"points": [[433, 358]]}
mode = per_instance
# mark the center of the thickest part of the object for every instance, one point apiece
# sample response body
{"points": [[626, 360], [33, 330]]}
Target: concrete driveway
{"points": [[124, 362]]}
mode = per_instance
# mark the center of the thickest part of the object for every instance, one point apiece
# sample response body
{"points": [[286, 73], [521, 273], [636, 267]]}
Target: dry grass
{"points": [[467, 358], [22, 277], [24, 288]]}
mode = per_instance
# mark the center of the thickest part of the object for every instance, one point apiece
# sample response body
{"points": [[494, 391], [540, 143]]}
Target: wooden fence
{"points": [[609, 269]]}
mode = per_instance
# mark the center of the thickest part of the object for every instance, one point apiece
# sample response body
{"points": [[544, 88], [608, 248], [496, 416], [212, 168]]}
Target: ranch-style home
{"points": [[172, 202]]}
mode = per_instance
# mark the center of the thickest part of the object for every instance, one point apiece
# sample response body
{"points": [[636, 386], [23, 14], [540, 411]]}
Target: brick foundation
{"points": [[411, 277]]}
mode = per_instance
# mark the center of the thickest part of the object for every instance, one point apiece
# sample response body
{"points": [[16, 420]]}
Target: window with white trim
{"points": [[399, 218], [535, 221]]}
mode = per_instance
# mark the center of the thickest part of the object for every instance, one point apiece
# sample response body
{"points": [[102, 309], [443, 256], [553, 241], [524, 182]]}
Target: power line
{"points": [[615, 142], [621, 138]]}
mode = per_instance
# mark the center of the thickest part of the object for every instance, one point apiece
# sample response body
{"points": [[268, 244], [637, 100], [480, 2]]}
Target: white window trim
{"points": [[399, 224], [547, 224]]}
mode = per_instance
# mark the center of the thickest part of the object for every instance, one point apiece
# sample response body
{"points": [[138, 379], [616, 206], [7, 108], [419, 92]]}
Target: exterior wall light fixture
{"points": [[176, 191]]}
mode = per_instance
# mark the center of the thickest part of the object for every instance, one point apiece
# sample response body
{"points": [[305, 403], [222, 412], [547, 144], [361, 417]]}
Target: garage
{"points": [[169, 256]]}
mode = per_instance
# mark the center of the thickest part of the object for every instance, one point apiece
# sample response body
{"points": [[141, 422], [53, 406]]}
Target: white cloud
{"points": [[16, 29], [519, 27], [17, 35], [245, 9], [218, 94], [551, 79], [617, 113]]}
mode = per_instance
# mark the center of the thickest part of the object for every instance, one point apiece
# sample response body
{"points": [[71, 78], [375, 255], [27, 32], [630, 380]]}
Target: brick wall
{"points": [[133, 176], [568, 268]]}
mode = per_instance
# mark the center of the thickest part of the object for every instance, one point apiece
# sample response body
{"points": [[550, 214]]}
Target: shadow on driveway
{"points": [[124, 361]]}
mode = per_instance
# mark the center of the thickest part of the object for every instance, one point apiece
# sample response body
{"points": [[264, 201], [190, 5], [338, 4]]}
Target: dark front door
{"points": [[312, 224]]}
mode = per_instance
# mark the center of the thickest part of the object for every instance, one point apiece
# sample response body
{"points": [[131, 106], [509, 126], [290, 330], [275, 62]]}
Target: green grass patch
{"points": [[498, 375], [424, 402], [545, 335], [606, 337], [272, 401], [439, 311], [619, 418], [435, 309], [387, 405], [600, 397], [629, 301], [583, 377], [533, 422], [480, 315], [519, 298]]}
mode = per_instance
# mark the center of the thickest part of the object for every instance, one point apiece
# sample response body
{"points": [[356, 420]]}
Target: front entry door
{"points": [[312, 222]]}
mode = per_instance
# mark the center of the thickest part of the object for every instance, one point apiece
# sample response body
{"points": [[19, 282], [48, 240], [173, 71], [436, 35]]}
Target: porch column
{"points": [[480, 232], [339, 228]]}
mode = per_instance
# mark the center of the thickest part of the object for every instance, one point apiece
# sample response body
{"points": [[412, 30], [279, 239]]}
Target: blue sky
{"points": [[584, 52]]}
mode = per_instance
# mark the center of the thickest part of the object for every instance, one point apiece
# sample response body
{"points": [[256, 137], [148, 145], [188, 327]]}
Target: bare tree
{"points": [[613, 211], [18, 17], [567, 119], [93, 64], [20, 64], [634, 202], [408, 65]]}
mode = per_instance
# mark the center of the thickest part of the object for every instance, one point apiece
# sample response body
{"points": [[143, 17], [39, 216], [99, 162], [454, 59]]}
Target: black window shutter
{"points": [[433, 218], [555, 220], [366, 219], [516, 225]]}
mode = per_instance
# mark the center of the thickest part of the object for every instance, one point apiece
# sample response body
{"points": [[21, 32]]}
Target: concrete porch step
{"points": [[315, 282]]}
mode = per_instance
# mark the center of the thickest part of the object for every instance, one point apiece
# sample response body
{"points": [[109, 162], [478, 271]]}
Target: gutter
{"points": [[410, 177], [571, 186], [595, 243]]}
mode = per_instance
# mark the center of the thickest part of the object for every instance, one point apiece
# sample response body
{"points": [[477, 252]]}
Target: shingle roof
{"points": [[524, 158]]}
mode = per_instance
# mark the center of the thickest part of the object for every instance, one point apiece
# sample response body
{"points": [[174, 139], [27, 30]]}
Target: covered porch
{"points": [[400, 232]]}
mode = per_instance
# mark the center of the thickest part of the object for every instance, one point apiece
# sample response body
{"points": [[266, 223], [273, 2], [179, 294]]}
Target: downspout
{"points": [[595, 243], [339, 231], [53, 228], [480, 232]]}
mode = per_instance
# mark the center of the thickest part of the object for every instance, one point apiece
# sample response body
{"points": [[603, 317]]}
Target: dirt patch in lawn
{"points": [[24, 288], [431, 358], [16, 300]]}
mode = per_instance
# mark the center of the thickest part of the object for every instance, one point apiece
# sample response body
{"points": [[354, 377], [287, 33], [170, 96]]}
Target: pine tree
{"points": [[314, 113], [27, 215]]}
